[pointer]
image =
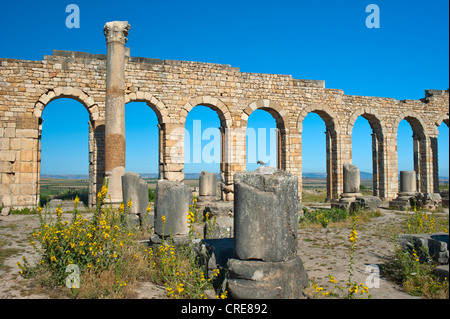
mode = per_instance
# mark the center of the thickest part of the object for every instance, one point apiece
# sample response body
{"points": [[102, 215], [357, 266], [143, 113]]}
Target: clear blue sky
{"points": [[323, 40]]}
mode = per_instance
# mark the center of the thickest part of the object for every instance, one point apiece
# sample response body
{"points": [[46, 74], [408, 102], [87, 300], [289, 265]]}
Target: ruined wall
{"points": [[173, 88]]}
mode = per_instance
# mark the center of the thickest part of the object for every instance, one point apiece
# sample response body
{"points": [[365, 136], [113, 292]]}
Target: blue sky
{"points": [[323, 40]]}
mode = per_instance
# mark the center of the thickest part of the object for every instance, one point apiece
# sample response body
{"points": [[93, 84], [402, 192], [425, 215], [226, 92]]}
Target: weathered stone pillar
{"points": [[265, 263], [135, 189], [207, 184], [329, 164], [408, 182], [172, 200], [161, 169], [233, 157], [351, 177], [390, 165], [375, 164], [417, 159], [173, 151], [116, 33], [434, 163], [407, 191]]}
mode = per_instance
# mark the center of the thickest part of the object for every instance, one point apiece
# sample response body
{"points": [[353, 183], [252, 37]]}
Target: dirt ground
{"points": [[324, 251]]}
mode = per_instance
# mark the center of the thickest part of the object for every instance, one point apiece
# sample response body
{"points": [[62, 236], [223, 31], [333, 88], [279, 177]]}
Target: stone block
{"points": [[408, 182], [252, 279], [172, 200], [368, 202], [136, 189], [441, 272], [351, 178], [435, 243], [219, 227], [265, 215], [207, 184]]}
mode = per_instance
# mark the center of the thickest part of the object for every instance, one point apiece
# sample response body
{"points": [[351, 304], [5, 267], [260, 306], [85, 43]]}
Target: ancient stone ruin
{"points": [[258, 209], [408, 196], [172, 202], [265, 263], [351, 198], [407, 191], [104, 84], [135, 189]]}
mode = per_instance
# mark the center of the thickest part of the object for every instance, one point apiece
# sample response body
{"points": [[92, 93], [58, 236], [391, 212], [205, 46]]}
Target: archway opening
{"points": [[142, 141], [362, 154], [412, 150], [314, 159], [202, 143], [368, 154], [443, 156], [63, 154], [405, 147], [332, 160], [261, 140]]}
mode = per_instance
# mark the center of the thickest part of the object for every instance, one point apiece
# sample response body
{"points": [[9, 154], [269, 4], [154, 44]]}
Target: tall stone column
{"points": [[375, 163], [116, 33]]}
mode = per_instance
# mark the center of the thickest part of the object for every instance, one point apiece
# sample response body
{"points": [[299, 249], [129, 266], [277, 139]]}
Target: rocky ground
{"points": [[324, 251]]}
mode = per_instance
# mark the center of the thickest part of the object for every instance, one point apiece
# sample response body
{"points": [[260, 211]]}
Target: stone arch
{"points": [[213, 103], [67, 92], [226, 122], [325, 112], [379, 173], [372, 116], [417, 123], [281, 119], [96, 134], [332, 135], [273, 108], [442, 118], [162, 114], [156, 105], [421, 149]]}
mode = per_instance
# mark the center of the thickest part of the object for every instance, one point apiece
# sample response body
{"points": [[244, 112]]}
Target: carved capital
{"points": [[116, 31]]}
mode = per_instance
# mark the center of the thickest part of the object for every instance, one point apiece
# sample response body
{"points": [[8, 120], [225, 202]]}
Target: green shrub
{"points": [[151, 195], [324, 216]]}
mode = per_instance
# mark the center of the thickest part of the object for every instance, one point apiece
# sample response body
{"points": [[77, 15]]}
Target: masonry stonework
{"points": [[172, 88]]}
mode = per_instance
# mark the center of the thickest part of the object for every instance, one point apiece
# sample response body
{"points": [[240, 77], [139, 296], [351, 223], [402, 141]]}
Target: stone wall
{"points": [[173, 88]]}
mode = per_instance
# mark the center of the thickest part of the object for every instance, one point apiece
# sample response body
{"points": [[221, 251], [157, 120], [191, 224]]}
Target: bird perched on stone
{"points": [[261, 163]]}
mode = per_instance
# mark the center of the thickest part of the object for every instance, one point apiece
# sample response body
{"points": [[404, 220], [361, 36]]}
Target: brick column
{"points": [[233, 158], [429, 164], [172, 151], [115, 33], [391, 166], [435, 164]]}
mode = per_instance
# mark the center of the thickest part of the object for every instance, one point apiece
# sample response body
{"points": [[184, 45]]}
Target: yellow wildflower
{"points": [[353, 236], [353, 289]]}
